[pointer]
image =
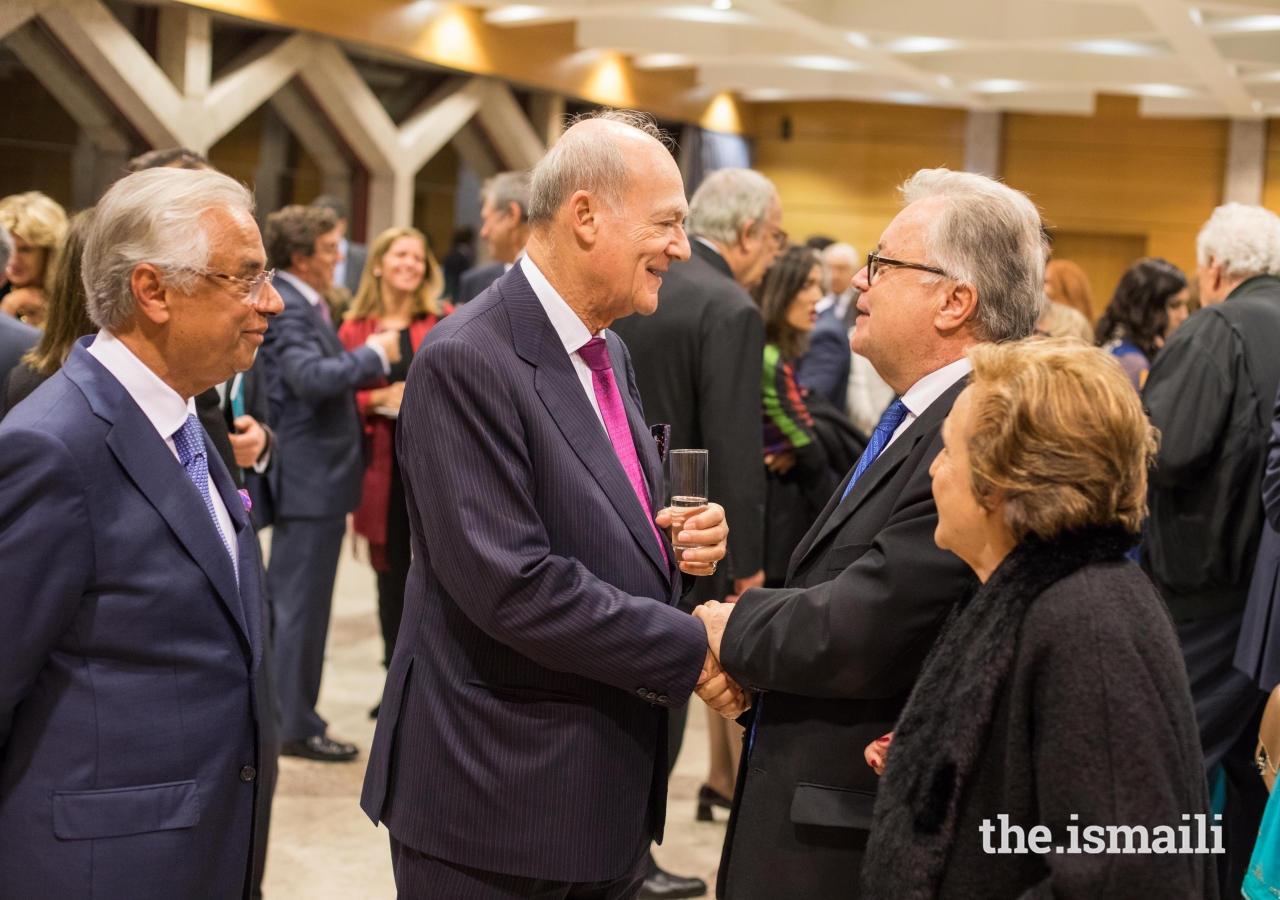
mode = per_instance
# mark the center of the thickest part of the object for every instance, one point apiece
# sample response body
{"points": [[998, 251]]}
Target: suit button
{"points": [[651, 696], [247, 773], [640, 692], [662, 698]]}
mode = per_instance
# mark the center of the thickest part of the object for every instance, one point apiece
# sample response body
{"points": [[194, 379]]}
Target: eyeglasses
{"points": [[876, 263], [781, 238], [249, 289]]}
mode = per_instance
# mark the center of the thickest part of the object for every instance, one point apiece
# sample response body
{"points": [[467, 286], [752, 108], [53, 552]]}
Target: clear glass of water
{"points": [[688, 489]]}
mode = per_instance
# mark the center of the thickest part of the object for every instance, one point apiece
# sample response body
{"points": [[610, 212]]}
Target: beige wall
{"points": [[839, 171], [1271, 192]]}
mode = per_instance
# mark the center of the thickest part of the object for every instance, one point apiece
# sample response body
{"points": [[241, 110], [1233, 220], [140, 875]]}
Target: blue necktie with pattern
{"points": [[889, 423], [189, 441]]}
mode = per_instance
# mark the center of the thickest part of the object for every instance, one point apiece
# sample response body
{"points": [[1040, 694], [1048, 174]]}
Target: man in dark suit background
{"points": [[698, 360], [825, 365], [316, 479], [837, 650], [504, 215], [132, 630], [521, 750]]}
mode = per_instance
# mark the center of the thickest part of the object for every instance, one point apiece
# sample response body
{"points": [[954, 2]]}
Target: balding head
{"points": [[607, 206]]}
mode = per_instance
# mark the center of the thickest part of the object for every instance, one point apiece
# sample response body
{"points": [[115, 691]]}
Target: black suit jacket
{"points": [[356, 256], [476, 280], [698, 362], [524, 723], [836, 653], [825, 366]]}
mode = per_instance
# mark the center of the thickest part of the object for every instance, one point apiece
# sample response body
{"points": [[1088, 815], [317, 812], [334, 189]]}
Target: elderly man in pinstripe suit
{"points": [[521, 748]]}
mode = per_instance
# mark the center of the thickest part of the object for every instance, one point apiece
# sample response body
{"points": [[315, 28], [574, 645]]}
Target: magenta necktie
{"points": [[595, 353]]}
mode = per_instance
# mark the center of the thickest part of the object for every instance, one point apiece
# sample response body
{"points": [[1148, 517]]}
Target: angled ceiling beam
{"points": [[1172, 19], [307, 126], [16, 13], [508, 128]]}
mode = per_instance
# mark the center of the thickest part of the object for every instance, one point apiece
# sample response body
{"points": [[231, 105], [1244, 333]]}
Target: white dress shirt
{"points": [[920, 396], [572, 332], [167, 412], [340, 270], [312, 296], [839, 301]]}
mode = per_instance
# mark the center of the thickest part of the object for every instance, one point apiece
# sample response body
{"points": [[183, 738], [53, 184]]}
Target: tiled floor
{"points": [[323, 848]]}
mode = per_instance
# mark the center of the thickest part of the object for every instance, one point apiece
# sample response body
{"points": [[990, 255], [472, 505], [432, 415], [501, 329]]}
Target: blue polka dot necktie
{"points": [[889, 423], [189, 441]]}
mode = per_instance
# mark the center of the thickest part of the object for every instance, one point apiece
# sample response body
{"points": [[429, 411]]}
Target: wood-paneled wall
{"points": [[1271, 189], [839, 170]]}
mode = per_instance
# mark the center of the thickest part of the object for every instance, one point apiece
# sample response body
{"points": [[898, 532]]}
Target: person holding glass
{"points": [[399, 291], [1053, 713], [799, 476], [1149, 303]]}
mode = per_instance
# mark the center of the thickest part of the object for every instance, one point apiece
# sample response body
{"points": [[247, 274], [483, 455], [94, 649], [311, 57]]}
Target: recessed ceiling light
{"points": [[824, 63], [1110, 47], [1246, 24], [704, 14], [1170, 91], [765, 95], [945, 81], [722, 4], [912, 98], [663, 61], [1196, 16], [999, 86], [858, 39], [920, 45], [517, 13]]}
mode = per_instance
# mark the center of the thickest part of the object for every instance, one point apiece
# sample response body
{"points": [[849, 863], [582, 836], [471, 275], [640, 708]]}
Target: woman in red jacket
{"points": [[398, 292]]}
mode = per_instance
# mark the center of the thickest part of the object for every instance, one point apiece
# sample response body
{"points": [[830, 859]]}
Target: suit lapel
{"points": [[246, 551], [561, 392], [838, 511]]}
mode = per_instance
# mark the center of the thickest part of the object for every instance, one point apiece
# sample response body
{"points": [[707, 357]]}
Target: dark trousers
{"points": [[304, 563], [1228, 712], [423, 877], [391, 582]]}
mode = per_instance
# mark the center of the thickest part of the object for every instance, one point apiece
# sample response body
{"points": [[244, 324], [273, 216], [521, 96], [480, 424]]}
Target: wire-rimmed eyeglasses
{"points": [[249, 289]]}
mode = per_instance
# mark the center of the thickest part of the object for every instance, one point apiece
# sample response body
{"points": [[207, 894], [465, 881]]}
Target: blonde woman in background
{"points": [[399, 291], [37, 224], [1066, 283]]}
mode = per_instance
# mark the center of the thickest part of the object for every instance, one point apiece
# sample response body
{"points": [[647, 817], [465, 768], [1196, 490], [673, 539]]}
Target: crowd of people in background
{"points": [[863, 531]]}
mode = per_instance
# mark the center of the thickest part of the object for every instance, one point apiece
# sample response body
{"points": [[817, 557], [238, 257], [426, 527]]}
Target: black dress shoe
{"points": [[709, 797], [321, 748], [660, 885]]}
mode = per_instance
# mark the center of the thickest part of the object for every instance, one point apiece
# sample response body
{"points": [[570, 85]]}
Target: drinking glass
{"points": [[688, 489]]}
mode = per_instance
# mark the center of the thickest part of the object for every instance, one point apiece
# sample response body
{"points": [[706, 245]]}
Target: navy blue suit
{"points": [[825, 366], [128, 653], [524, 724], [16, 338], [315, 479], [476, 280]]}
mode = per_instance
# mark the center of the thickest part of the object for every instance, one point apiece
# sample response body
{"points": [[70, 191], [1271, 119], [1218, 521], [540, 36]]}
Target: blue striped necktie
{"points": [[889, 423], [189, 441]]}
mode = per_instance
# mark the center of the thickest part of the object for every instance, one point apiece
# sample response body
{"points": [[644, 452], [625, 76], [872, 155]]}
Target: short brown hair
{"points": [[295, 229], [1059, 430]]}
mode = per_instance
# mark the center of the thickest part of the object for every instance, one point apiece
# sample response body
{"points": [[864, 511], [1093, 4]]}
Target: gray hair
{"points": [[6, 248], [506, 188], [155, 216], [1244, 240], [845, 250], [728, 199], [989, 237], [585, 160]]}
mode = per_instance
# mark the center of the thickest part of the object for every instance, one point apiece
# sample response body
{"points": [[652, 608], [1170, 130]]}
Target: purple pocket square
{"points": [[244, 498], [661, 437]]}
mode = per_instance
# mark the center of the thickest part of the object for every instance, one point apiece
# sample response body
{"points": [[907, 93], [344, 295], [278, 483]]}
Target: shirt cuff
{"points": [[264, 460], [382, 354]]}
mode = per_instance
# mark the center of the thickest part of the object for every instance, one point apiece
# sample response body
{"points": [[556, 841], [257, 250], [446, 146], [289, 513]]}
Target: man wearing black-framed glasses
{"points": [[834, 653]]}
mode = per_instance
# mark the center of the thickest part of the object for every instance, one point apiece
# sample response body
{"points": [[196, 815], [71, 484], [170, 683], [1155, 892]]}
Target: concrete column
{"points": [[273, 161], [1246, 162], [984, 132], [185, 49]]}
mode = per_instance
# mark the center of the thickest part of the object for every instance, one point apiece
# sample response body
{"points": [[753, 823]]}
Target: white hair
{"points": [[155, 216], [506, 188], [728, 199], [845, 251], [585, 159], [1243, 240], [6, 247], [989, 237]]}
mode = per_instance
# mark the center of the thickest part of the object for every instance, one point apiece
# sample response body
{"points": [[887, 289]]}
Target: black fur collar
{"points": [[943, 731]]}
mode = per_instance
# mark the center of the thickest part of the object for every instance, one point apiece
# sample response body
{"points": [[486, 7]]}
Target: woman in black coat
{"points": [[1053, 716]]}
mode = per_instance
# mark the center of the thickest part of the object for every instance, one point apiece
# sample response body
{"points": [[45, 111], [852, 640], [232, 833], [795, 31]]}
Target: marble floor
{"points": [[322, 847]]}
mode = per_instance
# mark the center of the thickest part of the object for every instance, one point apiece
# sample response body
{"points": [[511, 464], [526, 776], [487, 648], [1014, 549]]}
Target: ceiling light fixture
{"points": [[517, 13], [1167, 91], [823, 63], [1109, 47], [1196, 16], [1246, 24], [858, 39], [704, 14], [920, 45], [663, 61], [722, 4], [999, 86]]}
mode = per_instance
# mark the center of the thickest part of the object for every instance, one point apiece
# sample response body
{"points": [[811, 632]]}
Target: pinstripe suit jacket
{"points": [[523, 727]]}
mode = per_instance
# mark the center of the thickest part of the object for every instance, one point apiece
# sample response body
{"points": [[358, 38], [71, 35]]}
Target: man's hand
{"points": [[876, 752], [389, 341], [742, 585], [719, 691], [390, 397], [248, 442], [708, 531], [714, 616], [781, 463]]}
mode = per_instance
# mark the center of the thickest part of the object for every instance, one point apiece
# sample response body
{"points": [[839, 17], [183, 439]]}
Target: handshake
{"points": [[703, 535]]}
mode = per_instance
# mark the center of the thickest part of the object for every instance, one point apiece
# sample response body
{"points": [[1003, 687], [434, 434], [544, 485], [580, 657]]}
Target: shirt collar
{"points": [[573, 333], [303, 288], [706, 243], [920, 396], [161, 404]]}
